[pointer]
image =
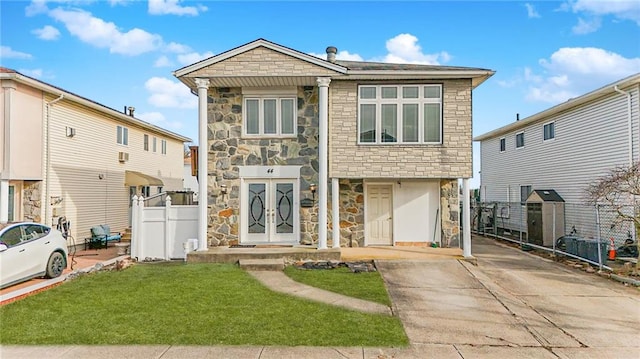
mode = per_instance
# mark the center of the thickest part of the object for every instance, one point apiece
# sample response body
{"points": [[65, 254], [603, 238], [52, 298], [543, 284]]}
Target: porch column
{"points": [[335, 208], [4, 201], [323, 142], [203, 150], [466, 220]]}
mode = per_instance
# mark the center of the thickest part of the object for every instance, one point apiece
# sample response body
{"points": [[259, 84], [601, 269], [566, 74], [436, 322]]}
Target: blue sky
{"points": [[122, 53]]}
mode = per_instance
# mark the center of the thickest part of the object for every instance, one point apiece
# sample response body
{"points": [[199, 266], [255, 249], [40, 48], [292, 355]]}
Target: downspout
{"points": [[47, 168], [629, 127]]}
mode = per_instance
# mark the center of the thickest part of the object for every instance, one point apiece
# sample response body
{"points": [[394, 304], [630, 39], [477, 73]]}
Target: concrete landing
{"points": [[233, 255], [262, 264]]}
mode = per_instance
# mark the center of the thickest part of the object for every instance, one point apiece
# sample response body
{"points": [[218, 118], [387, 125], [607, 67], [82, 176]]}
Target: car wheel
{"points": [[55, 265]]}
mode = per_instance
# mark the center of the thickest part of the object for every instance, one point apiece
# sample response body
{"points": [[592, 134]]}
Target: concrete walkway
{"points": [[279, 282]]}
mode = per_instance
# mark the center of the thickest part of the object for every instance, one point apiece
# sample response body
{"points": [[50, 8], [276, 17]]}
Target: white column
{"points": [[4, 201], [466, 219], [323, 142], [335, 208], [203, 150]]}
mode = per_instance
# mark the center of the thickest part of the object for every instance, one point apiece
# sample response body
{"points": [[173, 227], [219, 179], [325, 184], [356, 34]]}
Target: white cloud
{"points": [[173, 7], [47, 33], [586, 27], [341, 55], [100, 33], [36, 7], [404, 49], [621, 9], [177, 48], [531, 11], [193, 57], [35, 73], [169, 94], [571, 72], [7, 52], [160, 120], [163, 61]]}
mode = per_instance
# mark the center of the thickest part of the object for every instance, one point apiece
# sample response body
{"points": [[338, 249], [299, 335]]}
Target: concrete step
{"points": [[262, 264]]}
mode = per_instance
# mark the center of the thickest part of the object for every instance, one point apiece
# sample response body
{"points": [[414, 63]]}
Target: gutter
{"points": [[630, 134], [47, 168]]}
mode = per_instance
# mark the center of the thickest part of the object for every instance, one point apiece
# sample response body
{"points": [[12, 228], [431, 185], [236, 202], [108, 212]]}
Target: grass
{"points": [[364, 285], [186, 304]]}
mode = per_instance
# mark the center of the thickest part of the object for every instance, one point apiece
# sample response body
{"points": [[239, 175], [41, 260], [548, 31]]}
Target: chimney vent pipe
{"points": [[331, 53]]}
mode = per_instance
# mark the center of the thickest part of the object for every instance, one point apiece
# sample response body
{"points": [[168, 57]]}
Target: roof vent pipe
{"points": [[331, 53], [517, 117], [131, 109]]}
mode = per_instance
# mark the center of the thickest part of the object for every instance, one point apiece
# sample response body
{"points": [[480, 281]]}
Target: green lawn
{"points": [[364, 285], [183, 304]]}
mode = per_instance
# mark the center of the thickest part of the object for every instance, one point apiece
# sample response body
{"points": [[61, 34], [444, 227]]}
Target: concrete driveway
{"points": [[512, 305]]}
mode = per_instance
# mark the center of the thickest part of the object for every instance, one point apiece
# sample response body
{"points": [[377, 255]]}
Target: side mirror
{"points": [[3, 247]]}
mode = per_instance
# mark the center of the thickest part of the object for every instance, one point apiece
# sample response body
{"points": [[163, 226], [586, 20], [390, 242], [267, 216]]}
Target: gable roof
{"points": [[10, 74], [546, 195], [565, 106], [349, 70]]}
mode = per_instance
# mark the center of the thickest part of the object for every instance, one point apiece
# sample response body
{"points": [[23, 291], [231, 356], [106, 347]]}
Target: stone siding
{"points": [[261, 61], [450, 213], [451, 159], [31, 201]]}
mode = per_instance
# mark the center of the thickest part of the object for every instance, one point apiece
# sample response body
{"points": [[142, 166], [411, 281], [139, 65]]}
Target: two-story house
{"points": [[303, 150], [564, 148], [65, 155]]}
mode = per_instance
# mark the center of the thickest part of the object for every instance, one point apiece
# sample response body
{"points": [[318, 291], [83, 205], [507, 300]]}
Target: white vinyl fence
{"points": [[162, 232]]}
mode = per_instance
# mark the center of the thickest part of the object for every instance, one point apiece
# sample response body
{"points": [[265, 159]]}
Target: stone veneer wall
{"points": [[31, 202], [450, 212], [228, 150]]}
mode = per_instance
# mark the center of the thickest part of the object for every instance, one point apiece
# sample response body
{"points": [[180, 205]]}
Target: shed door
{"points": [[534, 223], [379, 215]]}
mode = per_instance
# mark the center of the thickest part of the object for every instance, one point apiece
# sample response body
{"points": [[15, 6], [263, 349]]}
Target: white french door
{"points": [[269, 211]]}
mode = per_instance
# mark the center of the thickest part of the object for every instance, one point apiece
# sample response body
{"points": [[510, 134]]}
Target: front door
{"points": [[379, 215], [270, 211]]}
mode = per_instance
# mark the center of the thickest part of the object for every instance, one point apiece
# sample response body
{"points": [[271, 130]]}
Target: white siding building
{"points": [[64, 155], [563, 148]]}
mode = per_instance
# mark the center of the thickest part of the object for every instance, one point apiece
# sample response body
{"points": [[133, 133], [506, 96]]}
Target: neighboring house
{"points": [[64, 155], [564, 148], [293, 139], [190, 182]]}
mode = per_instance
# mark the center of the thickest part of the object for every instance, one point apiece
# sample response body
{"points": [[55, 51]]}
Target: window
{"points": [[122, 135], [155, 140], [146, 142], [163, 147], [520, 140], [159, 189], [145, 191], [271, 113], [525, 191], [400, 114], [503, 144], [549, 131]]}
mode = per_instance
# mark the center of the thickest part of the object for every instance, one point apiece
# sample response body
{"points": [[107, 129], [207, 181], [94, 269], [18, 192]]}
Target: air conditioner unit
{"points": [[123, 156]]}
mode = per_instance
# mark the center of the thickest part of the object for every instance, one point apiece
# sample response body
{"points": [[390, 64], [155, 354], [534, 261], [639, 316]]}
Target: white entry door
{"points": [[379, 215], [270, 211]]}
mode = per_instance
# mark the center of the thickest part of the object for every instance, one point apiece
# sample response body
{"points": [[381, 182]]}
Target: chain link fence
{"points": [[570, 229]]}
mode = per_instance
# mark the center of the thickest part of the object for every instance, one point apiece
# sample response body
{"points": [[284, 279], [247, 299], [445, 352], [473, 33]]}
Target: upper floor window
{"points": [[271, 113], [503, 144], [409, 114], [520, 140], [549, 131], [525, 191], [155, 147], [146, 142], [122, 136], [163, 147]]}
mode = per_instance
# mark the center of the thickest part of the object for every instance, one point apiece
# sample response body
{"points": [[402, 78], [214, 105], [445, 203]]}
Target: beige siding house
{"points": [[303, 150], [65, 155]]}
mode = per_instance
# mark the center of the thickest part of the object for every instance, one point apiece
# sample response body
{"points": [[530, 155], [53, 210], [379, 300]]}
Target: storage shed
{"points": [[545, 217]]}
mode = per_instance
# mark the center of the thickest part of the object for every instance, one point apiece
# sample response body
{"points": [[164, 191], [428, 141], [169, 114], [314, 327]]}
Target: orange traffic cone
{"points": [[612, 250]]}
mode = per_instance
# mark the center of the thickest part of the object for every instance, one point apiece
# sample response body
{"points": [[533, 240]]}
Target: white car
{"points": [[29, 250]]}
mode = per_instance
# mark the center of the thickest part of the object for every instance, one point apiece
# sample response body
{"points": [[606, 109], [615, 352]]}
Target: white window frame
{"points": [[523, 143], [155, 144], [421, 100], [502, 143], [523, 201], [279, 94], [145, 140], [163, 147], [122, 135], [552, 124]]}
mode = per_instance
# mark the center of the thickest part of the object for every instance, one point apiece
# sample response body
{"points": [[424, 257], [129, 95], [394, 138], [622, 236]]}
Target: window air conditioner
{"points": [[123, 156]]}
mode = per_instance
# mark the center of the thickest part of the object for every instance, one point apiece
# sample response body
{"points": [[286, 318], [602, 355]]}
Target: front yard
{"points": [[194, 304]]}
